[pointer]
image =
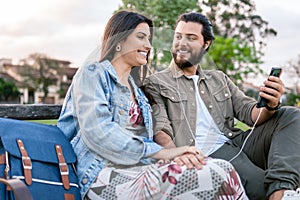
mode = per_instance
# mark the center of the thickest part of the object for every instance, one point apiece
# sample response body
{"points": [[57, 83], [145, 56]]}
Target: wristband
{"points": [[275, 108]]}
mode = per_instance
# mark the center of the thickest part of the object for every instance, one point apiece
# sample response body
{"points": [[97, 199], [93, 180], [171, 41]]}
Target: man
{"points": [[192, 106]]}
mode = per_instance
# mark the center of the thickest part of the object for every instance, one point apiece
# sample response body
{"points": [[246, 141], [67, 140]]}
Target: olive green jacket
{"points": [[172, 96]]}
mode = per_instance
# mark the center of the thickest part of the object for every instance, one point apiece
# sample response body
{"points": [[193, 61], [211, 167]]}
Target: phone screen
{"points": [[275, 72]]}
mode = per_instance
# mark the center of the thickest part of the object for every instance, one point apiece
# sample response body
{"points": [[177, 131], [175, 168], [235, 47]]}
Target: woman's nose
{"points": [[148, 45]]}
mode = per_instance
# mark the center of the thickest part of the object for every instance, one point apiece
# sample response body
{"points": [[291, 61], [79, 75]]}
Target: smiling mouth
{"points": [[142, 53], [182, 53]]}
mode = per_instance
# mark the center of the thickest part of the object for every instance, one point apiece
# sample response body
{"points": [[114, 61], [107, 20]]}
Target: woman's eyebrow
{"points": [[143, 33]]}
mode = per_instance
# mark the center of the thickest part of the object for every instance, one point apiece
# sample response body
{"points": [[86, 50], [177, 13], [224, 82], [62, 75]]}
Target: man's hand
{"points": [[275, 87], [272, 91], [191, 160]]}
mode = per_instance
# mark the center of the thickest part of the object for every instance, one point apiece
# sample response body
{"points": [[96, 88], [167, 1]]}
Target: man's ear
{"points": [[207, 43]]}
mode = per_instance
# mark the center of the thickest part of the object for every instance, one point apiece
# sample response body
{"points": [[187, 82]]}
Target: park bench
{"points": [[30, 111]]}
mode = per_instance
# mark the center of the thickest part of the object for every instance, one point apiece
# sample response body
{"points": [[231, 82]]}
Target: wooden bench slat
{"points": [[30, 111]]}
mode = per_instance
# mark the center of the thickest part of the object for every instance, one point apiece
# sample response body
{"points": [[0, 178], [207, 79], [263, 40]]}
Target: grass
{"points": [[242, 126], [239, 124], [45, 121]]}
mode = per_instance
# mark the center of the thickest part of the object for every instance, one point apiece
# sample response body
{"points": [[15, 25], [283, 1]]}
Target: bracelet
{"points": [[275, 108]]}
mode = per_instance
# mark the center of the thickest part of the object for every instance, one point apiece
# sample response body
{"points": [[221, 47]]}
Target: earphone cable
{"points": [[244, 143]]}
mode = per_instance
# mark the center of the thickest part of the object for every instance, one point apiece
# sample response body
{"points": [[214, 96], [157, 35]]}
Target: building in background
{"points": [[36, 76]]}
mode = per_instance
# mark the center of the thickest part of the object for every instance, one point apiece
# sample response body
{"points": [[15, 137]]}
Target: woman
{"points": [[108, 120]]}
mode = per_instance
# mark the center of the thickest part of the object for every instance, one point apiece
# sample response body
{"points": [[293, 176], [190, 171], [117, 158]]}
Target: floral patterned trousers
{"points": [[216, 180]]}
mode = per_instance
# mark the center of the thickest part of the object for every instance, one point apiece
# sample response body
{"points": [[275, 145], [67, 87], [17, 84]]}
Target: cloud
{"points": [[71, 29], [283, 17], [62, 29]]}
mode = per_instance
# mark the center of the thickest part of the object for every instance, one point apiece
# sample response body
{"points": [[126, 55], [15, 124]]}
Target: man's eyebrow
{"points": [[188, 34], [192, 34]]}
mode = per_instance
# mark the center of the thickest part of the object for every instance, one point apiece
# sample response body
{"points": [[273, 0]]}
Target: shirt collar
{"points": [[177, 72]]}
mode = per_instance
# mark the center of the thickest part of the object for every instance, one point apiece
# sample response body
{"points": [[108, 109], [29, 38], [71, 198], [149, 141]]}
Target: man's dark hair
{"points": [[196, 17]]}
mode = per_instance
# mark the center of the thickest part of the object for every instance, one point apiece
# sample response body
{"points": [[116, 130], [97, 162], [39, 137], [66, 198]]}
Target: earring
{"points": [[118, 47]]}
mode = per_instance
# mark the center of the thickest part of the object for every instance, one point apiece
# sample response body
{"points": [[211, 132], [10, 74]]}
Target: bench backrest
{"points": [[30, 111]]}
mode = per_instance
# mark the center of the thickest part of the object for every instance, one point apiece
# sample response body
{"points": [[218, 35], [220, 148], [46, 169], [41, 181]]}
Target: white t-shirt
{"points": [[208, 136]]}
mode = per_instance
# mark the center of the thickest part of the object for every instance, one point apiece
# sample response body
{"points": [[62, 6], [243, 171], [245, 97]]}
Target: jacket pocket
{"points": [[174, 96], [224, 103], [176, 104], [222, 95]]}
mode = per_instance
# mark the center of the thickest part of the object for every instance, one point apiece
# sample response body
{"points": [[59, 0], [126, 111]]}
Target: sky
{"points": [[71, 29], [61, 29]]}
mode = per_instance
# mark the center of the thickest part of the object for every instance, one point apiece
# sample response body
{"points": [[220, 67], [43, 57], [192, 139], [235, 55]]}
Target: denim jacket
{"points": [[94, 117]]}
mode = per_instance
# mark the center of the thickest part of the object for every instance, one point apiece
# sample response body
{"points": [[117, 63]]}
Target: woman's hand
{"points": [[185, 155]]}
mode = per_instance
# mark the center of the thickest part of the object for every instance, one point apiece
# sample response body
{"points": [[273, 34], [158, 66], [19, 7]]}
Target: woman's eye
{"points": [[141, 37]]}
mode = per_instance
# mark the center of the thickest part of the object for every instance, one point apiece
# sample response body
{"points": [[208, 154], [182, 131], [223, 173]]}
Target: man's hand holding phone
{"points": [[272, 91]]}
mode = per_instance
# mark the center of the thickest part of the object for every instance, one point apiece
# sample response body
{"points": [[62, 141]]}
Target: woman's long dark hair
{"points": [[117, 29]]}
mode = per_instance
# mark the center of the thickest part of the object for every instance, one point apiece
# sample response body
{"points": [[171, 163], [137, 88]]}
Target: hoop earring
{"points": [[118, 47]]}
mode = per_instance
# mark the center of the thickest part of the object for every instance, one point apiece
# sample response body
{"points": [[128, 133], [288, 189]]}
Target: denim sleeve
{"points": [[98, 130], [151, 148]]}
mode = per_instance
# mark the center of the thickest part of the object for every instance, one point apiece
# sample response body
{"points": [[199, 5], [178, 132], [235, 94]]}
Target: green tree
{"points": [[238, 20], [240, 32], [294, 68], [8, 90], [164, 14], [41, 72], [292, 99], [234, 57]]}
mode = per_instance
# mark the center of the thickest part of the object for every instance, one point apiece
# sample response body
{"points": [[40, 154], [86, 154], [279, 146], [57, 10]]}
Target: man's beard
{"points": [[192, 61]]}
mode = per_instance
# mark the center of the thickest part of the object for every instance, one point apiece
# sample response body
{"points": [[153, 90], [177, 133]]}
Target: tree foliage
{"points": [[240, 32], [8, 90], [237, 19], [41, 72], [295, 67], [234, 57], [293, 71]]}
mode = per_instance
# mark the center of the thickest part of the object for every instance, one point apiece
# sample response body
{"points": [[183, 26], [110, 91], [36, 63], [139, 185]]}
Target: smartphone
{"points": [[262, 102]]}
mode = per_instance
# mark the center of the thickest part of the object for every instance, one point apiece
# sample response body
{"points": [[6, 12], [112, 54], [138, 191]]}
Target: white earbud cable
{"points": [[244, 143]]}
